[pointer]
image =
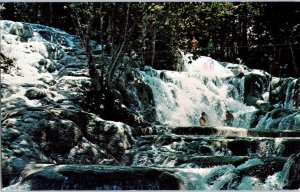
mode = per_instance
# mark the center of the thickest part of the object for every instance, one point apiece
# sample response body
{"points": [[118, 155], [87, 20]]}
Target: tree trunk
{"points": [[153, 47], [113, 67], [244, 36], [293, 58], [101, 78], [144, 35], [94, 75], [50, 14]]}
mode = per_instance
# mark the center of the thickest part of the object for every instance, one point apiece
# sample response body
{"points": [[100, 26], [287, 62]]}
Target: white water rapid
{"points": [[202, 87]]}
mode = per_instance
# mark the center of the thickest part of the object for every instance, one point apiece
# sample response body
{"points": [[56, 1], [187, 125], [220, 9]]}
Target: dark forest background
{"points": [[262, 35]]}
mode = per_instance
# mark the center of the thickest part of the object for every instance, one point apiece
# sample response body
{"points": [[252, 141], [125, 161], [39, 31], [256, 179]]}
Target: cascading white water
{"points": [[289, 93], [290, 172], [180, 97]]}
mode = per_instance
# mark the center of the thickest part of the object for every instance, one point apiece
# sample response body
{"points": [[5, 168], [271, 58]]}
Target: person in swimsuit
{"points": [[203, 121]]}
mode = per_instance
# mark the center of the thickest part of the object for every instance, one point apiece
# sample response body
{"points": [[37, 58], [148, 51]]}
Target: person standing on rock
{"points": [[203, 121], [194, 44], [229, 118]]}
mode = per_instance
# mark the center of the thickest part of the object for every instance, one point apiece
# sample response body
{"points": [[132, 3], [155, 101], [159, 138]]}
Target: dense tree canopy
{"points": [[262, 35]]}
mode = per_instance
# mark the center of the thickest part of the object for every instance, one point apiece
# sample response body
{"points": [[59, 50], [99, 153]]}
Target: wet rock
{"points": [[64, 136], [291, 146], [256, 117], [88, 153], [11, 166], [51, 67], [73, 87], [21, 29], [277, 113], [54, 51], [239, 147], [68, 60], [209, 161], [9, 134], [167, 181], [291, 172], [297, 122], [69, 71], [114, 137], [238, 69], [281, 119], [53, 37], [29, 149], [6, 64], [16, 154], [79, 52], [255, 85], [57, 136], [284, 92], [72, 177], [35, 93], [269, 167], [42, 62]]}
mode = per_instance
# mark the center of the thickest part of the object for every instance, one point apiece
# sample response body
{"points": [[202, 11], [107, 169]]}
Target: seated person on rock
{"points": [[203, 121], [229, 118]]}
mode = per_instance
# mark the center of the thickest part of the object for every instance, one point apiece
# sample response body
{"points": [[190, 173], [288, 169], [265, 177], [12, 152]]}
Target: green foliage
{"points": [[225, 30]]}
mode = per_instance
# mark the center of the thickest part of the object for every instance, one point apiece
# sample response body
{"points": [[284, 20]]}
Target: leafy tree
{"points": [[256, 32]]}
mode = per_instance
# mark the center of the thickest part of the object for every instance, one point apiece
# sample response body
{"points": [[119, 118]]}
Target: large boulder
{"points": [[138, 97], [56, 136], [21, 29], [255, 85], [35, 93], [116, 138], [6, 64]]}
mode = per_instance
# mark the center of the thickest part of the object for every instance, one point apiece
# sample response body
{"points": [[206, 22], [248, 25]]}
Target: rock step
{"points": [[97, 177], [262, 146], [232, 131], [210, 161]]}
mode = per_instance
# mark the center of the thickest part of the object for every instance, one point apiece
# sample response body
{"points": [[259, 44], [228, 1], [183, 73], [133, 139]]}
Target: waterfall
{"points": [[181, 97], [291, 172], [288, 94]]}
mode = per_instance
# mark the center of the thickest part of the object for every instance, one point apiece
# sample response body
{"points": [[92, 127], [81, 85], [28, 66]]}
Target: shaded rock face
{"points": [[291, 172], [69, 177], [60, 67], [6, 64], [59, 136], [49, 70], [64, 133], [56, 136], [23, 30], [255, 86], [285, 92], [113, 137], [132, 101], [280, 119], [52, 73]]}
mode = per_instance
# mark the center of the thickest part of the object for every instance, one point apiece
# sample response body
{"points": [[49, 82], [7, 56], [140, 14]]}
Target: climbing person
{"points": [[229, 118], [203, 121], [194, 44]]}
